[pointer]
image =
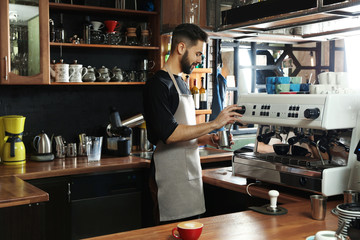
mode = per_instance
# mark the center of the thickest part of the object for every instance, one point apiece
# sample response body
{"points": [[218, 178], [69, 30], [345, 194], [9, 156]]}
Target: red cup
{"points": [[111, 25], [188, 230]]}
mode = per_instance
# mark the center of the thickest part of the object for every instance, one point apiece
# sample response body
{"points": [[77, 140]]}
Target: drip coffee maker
{"points": [[12, 147]]}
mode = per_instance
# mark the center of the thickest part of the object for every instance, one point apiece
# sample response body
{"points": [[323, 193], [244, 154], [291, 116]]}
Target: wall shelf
{"points": [[97, 9], [98, 83], [56, 44]]}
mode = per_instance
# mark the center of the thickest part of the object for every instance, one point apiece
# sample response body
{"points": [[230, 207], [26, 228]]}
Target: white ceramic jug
{"points": [[62, 72], [77, 72]]}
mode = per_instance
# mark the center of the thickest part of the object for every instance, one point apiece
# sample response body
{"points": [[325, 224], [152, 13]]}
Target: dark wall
{"points": [[68, 110]]}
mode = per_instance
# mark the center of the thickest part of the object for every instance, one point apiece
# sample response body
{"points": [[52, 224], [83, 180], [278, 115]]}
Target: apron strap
{"points": [[173, 79]]}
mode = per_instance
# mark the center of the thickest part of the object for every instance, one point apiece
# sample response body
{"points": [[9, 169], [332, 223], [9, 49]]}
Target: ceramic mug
{"points": [[62, 72], [327, 78], [97, 25], [282, 88], [188, 230], [147, 64], [77, 72], [342, 79], [326, 235]]}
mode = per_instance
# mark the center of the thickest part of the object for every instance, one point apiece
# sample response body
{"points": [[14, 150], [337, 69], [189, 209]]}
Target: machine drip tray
{"points": [[287, 160]]}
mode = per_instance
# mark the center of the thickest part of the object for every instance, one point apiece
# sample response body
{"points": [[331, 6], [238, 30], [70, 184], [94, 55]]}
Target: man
{"points": [[170, 118]]}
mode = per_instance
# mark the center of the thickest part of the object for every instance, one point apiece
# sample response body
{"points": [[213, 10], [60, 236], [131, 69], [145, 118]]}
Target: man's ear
{"points": [[181, 48]]}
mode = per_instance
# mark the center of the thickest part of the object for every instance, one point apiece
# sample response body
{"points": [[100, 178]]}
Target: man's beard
{"points": [[186, 67]]}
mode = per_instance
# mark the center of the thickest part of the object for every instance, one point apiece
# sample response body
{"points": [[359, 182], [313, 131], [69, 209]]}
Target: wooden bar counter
{"points": [[15, 191], [297, 224]]}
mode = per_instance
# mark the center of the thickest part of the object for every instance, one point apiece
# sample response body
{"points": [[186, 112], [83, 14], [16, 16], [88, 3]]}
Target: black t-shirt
{"points": [[160, 103]]}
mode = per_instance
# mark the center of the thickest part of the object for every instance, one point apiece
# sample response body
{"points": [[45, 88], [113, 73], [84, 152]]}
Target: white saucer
{"points": [[310, 238]]}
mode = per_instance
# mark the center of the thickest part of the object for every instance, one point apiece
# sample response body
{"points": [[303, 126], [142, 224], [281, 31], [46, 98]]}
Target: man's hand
{"points": [[228, 116]]}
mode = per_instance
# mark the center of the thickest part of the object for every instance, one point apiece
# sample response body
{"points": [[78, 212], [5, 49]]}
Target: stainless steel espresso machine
{"points": [[315, 136]]}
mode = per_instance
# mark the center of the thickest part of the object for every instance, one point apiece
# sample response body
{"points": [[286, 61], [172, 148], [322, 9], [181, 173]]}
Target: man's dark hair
{"points": [[188, 33]]}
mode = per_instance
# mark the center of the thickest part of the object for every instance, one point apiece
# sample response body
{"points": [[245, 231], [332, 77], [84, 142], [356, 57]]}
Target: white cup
{"points": [[62, 72], [327, 78], [342, 79], [318, 89], [77, 72], [97, 25], [326, 235]]}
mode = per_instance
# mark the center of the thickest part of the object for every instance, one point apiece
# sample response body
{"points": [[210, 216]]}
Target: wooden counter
{"points": [[222, 177], [71, 166], [14, 191], [297, 224]]}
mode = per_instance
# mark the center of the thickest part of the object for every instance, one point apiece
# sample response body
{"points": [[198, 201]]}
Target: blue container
{"points": [[304, 87], [270, 80], [294, 87], [282, 80], [270, 88]]}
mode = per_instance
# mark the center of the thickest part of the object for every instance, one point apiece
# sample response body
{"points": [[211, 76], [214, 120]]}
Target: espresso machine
{"points": [[314, 136], [12, 147]]}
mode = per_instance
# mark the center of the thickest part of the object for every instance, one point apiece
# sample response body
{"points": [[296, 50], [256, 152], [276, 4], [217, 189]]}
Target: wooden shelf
{"points": [[84, 8], [203, 111], [98, 83], [56, 44], [202, 70]]}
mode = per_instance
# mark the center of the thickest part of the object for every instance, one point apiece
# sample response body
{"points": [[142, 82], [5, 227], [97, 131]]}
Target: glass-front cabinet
{"points": [[24, 42]]}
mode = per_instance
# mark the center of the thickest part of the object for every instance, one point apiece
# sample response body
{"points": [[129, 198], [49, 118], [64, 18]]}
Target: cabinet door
{"points": [[176, 12], [24, 42], [57, 210]]}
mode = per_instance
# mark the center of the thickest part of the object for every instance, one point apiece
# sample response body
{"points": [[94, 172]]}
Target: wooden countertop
{"points": [[15, 191], [222, 177], [297, 224], [71, 166]]}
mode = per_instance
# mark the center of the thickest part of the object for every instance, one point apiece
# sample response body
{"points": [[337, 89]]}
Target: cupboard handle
{"points": [[6, 71], [69, 192]]}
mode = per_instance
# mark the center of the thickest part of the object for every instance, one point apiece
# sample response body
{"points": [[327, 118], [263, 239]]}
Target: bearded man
{"points": [[169, 111]]}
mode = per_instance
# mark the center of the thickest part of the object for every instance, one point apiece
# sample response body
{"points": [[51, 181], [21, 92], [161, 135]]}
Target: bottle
{"points": [[196, 95], [202, 91], [87, 29]]}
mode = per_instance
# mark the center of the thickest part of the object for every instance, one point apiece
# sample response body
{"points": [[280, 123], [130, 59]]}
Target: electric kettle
{"points": [[42, 143]]}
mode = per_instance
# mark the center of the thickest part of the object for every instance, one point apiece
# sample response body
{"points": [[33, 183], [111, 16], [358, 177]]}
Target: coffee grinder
{"points": [[12, 147], [118, 141]]}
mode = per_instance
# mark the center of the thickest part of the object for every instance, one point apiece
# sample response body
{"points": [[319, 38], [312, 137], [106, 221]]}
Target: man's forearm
{"points": [[188, 132]]}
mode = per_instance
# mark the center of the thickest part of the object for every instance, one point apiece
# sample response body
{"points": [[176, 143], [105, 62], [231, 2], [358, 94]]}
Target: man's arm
{"points": [[188, 132]]}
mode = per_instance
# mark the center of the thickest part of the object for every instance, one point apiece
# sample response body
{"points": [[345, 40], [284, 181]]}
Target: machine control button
{"points": [[296, 115], [297, 108], [290, 108], [312, 113], [253, 113], [278, 114], [254, 107], [242, 110], [289, 114]]}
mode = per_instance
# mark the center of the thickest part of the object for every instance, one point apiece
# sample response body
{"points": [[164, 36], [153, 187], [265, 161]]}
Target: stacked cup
{"points": [[331, 82]]}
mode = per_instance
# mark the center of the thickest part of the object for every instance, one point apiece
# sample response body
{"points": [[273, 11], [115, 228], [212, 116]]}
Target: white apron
{"points": [[178, 170]]}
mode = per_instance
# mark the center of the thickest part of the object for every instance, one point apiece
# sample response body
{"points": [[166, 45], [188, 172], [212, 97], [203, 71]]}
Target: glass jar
{"points": [[145, 38]]}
